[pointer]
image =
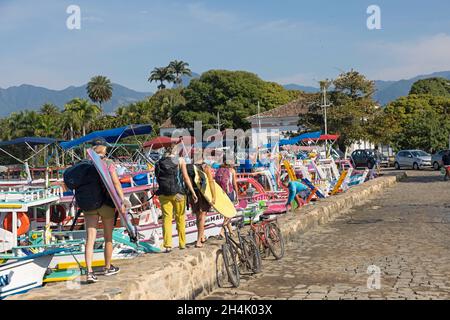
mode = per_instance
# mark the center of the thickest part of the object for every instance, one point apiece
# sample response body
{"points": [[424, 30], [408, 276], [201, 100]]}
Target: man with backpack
{"points": [[94, 201], [172, 177]]}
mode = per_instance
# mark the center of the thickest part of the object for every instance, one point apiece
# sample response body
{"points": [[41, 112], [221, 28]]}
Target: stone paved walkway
{"points": [[405, 233]]}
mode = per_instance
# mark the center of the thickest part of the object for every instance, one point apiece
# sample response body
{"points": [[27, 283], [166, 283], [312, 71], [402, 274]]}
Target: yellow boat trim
{"points": [[74, 265], [63, 278], [10, 206]]}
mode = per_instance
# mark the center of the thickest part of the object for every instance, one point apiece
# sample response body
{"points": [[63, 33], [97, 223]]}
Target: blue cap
{"points": [[99, 142]]}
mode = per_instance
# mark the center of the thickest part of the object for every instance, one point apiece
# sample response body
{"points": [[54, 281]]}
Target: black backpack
{"points": [[90, 192], [168, 176]]}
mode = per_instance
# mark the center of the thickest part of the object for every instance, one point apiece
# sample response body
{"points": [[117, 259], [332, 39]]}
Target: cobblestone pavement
{"points": [[405, 233]]}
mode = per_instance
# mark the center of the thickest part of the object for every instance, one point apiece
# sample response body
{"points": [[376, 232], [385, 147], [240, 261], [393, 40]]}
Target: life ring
{"points": [[156, 202], [58, 213], [23, 223]]}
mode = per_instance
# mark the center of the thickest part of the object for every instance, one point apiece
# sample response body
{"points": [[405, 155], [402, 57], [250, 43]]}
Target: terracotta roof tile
{"points": [[291, 109], [167, 124]]}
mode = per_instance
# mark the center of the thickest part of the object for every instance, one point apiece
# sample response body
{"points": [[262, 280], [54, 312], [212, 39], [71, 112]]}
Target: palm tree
{"points": [[49, 109], [162, 74], [82, 114], [180, 68], [99, 89]]}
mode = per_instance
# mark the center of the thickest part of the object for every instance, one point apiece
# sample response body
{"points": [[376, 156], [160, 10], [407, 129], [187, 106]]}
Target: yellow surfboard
{"points": [[223, 204]]}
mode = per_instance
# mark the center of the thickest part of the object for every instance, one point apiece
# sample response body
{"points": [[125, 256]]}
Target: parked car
{"points": [[436, 159], [367, 158], [416, 159]]}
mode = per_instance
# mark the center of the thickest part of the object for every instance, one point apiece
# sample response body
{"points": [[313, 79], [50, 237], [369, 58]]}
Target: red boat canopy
{"points": [[324, 137], [162, 142]]}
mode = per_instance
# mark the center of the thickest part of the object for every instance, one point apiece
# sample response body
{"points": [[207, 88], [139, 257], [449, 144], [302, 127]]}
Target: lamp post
{"points": [[324, 86]]}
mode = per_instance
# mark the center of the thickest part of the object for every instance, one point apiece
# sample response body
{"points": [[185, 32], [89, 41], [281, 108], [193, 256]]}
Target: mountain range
{"points": [[386, 91], [32, 97]]}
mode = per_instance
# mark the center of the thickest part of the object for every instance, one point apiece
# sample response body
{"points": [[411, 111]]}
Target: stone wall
{"points": [[186, 274]]}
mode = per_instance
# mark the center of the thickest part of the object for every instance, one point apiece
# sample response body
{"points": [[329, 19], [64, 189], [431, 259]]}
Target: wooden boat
{"points": [[25, 273]]}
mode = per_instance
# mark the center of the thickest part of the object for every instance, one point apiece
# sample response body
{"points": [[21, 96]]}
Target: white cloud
{"points": [[222, 19], [410, 58]]}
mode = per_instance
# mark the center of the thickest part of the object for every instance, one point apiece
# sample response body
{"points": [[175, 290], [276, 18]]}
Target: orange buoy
{"points": [[125, 179], [23, 223]]}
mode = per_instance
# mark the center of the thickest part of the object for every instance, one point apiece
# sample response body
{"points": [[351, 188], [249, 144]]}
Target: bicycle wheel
{"points": [[221, 270], [259, 243], [231, 265], [253, 257], [275, 240]]}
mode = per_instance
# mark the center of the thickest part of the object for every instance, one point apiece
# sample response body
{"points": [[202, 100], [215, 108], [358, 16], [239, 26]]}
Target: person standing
{"points": [[446, 164], [107, 214], [226, 178], [171, 175], [201, 207]]}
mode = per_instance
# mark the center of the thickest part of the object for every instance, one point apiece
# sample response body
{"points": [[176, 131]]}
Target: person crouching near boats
{"points": [[226, 178], [295, 188], [201, 207], [172, 177], [107, 214]]}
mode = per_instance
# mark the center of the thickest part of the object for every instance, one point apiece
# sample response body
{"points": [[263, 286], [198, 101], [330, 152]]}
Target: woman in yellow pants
{"points": [[171, 172]]}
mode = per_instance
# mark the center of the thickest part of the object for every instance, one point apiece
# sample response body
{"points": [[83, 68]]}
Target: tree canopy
{"points": [[232, 94], [419, 121], [432, 86], [352, 113]]}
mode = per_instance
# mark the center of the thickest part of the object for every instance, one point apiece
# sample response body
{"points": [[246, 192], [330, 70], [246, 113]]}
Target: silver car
{"points": [[436, 159], [416, 159]]}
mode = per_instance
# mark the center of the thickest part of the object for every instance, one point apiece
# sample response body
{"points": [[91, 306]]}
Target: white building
{"points": [[167, 128], [278, 123]]}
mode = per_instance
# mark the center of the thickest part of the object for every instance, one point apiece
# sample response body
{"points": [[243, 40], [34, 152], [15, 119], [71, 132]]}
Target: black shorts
{"points": [[201, 206]]}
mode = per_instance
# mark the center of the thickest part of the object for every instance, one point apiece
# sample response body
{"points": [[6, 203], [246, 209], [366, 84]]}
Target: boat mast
{"points": [[324, 84]]}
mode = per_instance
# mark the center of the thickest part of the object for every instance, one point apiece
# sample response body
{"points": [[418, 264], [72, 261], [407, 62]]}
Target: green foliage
{"points": [[419, 121], [234, 94], [352, 114], [432, 86]]}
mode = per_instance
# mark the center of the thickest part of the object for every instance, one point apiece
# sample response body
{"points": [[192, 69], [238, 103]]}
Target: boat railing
{"points": [[29, 194]]}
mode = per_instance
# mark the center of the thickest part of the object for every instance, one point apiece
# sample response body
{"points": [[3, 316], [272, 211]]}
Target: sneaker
{"points": [[112, 270], [91, 278]]}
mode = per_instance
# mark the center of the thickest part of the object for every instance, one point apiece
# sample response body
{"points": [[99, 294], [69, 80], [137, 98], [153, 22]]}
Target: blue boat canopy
{"points": [[110, 135], [28, 140], [297, 139]]}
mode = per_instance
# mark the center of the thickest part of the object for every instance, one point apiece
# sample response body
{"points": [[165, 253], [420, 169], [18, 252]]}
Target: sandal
{"points": [[204, 240], [168, 250], [197, 246]]}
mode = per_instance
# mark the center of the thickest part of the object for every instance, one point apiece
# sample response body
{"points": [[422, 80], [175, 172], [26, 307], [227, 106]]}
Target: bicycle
{"points": [[240, 255], [268, 237]]}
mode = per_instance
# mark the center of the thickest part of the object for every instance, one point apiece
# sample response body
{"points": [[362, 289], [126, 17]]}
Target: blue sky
{"points": [[288, 41]]}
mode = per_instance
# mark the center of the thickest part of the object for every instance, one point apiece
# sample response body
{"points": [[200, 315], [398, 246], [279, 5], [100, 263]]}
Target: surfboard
{"points": [[107, 180], [223, 204]]}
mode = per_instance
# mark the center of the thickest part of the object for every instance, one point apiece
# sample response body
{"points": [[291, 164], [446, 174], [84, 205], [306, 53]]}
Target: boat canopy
{"points": [[110, 135], [297, 139], [160, 142], [332, 137], [32, 141]]}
